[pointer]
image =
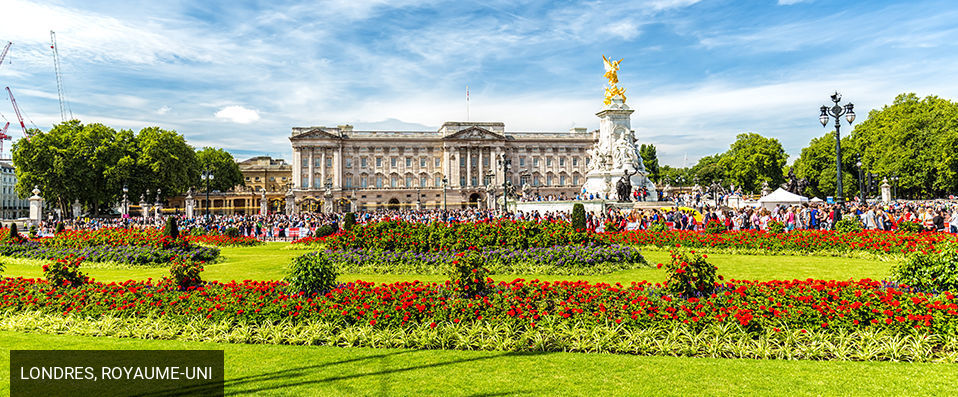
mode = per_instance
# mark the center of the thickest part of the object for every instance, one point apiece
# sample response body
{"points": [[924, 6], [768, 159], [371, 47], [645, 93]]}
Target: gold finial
{"points": [[611, 73]]}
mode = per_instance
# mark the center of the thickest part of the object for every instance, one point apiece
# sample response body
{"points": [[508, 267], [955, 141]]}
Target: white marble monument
{"points": [[616, 154]]}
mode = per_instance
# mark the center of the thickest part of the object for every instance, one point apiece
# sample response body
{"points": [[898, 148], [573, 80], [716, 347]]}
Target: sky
{"points": [[240, 74]]}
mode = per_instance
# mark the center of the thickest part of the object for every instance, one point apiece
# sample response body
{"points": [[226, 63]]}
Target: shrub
{"points": [[469, 275], [611, 227], [59, 228], [349, 221], [312, 273], [171, 230], [185, 273], [690, 275], [578, 216], [325, 230], [33, 231], [908, 226], [657, 227], [776, 227], [848, 225], [65, 272], [715, 227], [231, 232], [197, 231], [14, 235], [930, 270]]}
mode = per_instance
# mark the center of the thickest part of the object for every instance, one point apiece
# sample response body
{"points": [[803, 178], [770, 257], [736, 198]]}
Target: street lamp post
{"points": [[861, 188], [126, 201], [207, 176], [837, 112]]}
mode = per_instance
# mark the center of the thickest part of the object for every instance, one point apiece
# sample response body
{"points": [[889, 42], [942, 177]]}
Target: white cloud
{"points": [[790, 2], [624, 29], [163, 110], [237, 114]]}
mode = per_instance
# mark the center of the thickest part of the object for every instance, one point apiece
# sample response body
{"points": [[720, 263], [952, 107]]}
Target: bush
{"points": [[908, 226], [931, 270], [33, 231], [349, 221], [715, 227], [231, 232], [14, 235], [59, 228], [776, 227], [848, 225], [185, 273], [611, 227], [468, 275], [578, 216], [657, 227], [312, 273], [171, 230], [690, 275], [197, 231], [325, 230], [65, 272]]}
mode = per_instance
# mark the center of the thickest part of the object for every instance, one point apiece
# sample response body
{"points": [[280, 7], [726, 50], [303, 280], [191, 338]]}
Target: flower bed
{"points": [[570, 260], [799, 241], [755, 307], [113, 237], [419, 237], [136, 247], [223, 241]]}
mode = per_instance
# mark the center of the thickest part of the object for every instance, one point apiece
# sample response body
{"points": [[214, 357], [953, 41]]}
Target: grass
{"points": [[268, 262], [310, 370]]}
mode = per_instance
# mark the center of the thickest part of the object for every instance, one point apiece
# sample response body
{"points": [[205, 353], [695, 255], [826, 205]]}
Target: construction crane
{"points": [[16, 109], [4, 137], [64, 106], [3, 55]]}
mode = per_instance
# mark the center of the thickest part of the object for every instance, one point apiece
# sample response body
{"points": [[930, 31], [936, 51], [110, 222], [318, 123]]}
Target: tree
{"points": [[752, 160], [817, 165], [226, 173], [708, 170], [916, 139], [670, 175], [651, 161], [167, 161], [44, 161]]}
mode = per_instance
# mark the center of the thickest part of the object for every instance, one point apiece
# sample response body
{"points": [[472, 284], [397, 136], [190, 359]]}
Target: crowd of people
{"points": [[940, 216]]}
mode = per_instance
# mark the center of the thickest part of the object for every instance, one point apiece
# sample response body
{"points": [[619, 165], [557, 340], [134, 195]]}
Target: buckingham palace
{"points": [[462, 164]]}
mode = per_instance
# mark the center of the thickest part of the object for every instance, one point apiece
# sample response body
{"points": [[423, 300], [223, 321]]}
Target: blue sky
{"points": [[239, 74]]}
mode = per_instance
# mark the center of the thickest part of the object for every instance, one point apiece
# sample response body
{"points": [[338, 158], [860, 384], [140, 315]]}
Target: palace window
{"points": [[422, 181], [462, 161], [562, 180], [408, 162], [535, 162], [575, 180], [561, 161], [549, 180], [349, 162], [422, 162], [349, 183], [474, 181], [485, 161], [394, 182], [379, 182], [438, 181], [379, 162], [329, 162], [462, 181], [522, 161], [305, 162], [363, 182], [362, 162], [438, 162], [408, 181], [392, 162], [575, 161], [535, 180], [548, 161]]}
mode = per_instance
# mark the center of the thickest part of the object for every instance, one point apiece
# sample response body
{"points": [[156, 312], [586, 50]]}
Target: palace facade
{"points": [[463, 164]]}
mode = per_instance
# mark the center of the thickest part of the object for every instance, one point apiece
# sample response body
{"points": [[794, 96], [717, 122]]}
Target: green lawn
{"points": [[268, 262], [311, 370]]}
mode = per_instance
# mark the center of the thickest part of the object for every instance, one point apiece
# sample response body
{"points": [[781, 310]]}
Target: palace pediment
{"points": [[475, 134], [317, 133]]}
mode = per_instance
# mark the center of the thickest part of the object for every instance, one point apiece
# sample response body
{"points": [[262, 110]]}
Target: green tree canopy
{"points": [[752, 160], [226, 173], [651, 161], [817, 165]]}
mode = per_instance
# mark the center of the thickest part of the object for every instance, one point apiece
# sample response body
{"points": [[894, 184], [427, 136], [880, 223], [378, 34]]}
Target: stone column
{"points": [[190, 205], [310, 168], [36, 206], [297, 167], [468, 166], [263, 203], [337, 168], [322, 169], [885, 191], [500, 171], [145, 208], [77, 209], [482, 170]]}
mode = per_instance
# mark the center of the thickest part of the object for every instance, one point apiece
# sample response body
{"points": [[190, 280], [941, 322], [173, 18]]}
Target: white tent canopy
{"points": [[781, 197], [816, 200]]}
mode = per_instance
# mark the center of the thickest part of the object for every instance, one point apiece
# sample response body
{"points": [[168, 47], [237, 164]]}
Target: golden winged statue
{"points": [[611, 73]]}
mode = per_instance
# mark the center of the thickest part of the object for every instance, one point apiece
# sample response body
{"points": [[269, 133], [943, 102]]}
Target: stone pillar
{"points": [[482, 170], [36, 206], [310, 168], [468, 166], [190, 205], [290, 203], [144, 207], [337, 168], [77, 209], [158, 210], [297, 167], [322, 169], [885, 191], [263, 203]]}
